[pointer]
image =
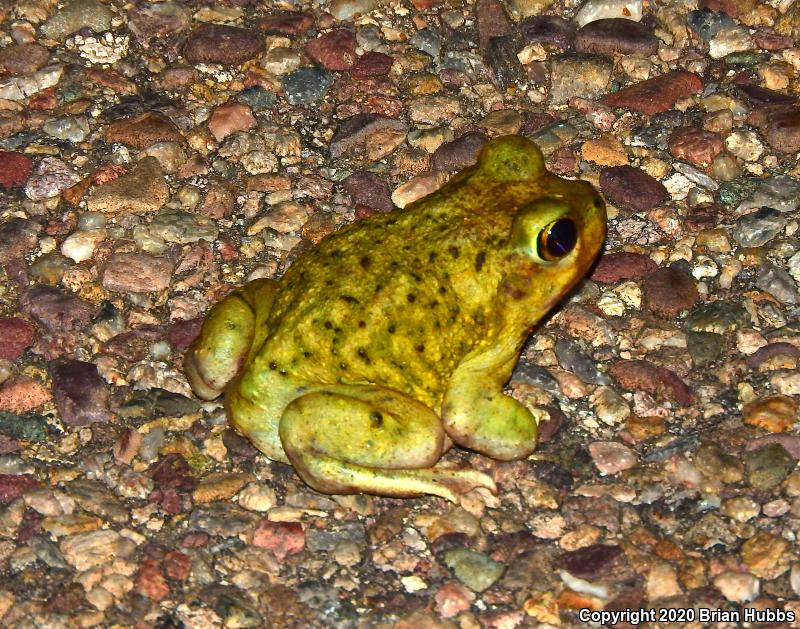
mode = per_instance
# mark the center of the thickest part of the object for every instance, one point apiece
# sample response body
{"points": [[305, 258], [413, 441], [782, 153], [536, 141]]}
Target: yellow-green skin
{"points": [[394, 337]]}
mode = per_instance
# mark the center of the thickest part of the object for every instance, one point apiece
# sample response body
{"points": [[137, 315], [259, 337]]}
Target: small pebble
{"points": [[737, 587], [611, 458], [593, 10]]}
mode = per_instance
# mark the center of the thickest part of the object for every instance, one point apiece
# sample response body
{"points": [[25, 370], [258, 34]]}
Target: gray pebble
{"points": [[778, 283], [780, 192], [574, 359], [696, 175], [307, 85], [76, 15], [753, 230], [428, 41], [71, 128]]}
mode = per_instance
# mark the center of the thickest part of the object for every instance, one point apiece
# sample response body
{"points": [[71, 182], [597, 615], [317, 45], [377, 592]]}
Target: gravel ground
{"points": [[153, 155]]}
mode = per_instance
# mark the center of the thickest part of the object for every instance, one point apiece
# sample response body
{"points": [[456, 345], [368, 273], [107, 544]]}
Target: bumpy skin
{"points": [[394, 337]]}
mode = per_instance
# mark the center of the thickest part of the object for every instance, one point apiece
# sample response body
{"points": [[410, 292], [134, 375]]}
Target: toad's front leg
{"points": [[479, 416], [364, 438], [231, 329]]}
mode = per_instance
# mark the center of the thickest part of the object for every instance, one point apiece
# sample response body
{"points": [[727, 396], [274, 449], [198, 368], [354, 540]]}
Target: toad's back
{"points": [[397, 299]]}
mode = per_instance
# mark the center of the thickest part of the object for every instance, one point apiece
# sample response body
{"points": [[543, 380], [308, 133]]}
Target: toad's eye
{"points": [[557, 239]]}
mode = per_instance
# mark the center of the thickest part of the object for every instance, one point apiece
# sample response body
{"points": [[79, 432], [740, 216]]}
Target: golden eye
{"points": [[557, 239]]}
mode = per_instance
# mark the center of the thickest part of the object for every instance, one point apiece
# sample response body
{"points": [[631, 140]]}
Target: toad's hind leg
{"points": [[362, 438], [231, 329]]}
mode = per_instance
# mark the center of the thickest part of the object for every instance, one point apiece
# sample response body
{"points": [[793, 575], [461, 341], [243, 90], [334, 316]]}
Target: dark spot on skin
{"points": [[337, 330], [282, 372], [479, 260], [349, 299], [376, 418], [416, 277], [362, 324], [432, 256], [342, 365], [307, 354], [411, 297], [442, 290], [273, 365], [453, 251], [378, 288], [392, 329], [420, 348], [365, 262], [328, 325], [514, 292], [328, 282], [434, 303], [363, 354]]}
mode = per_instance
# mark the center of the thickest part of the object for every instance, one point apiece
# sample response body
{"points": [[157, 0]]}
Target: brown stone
{"points": [[631, 188], [461, 153], [14, 169], [775, 413], [137, 273], [372, 63], [282, 538], [286, 23], [56, 309], [16, 335], [493, 21], [613, 267], [81, 395], [696, 146], [143, 130], [616, 36], [668, 292], [643, 375], [141, 191], [657, 94], [780, 125], [22, 394], [222, 44], [335, 50], [23, 58], [367, 137], [230, 118]]}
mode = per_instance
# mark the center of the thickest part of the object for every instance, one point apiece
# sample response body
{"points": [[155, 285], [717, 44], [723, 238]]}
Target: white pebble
{"points": [[678, 186], [794, 578], [80, 245], [595, 10], [704, 267], [737, 587], [257, 497]]}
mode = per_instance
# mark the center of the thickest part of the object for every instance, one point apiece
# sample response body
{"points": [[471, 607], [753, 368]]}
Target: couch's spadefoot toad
{"points": [[393, 338]]}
